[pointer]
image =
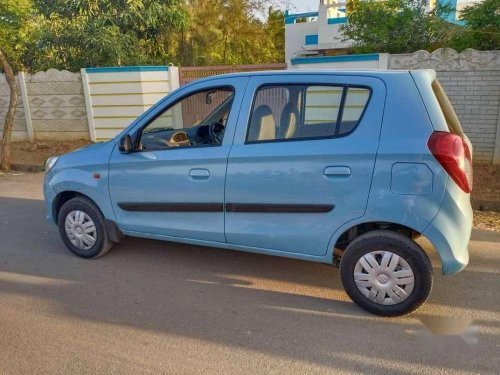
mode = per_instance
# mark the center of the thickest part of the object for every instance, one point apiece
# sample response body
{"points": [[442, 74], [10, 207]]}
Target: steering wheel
{"points": [[216, 131]]}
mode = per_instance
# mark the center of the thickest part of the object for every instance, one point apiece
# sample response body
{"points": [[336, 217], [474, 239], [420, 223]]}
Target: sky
{"points": [[303, 5]]}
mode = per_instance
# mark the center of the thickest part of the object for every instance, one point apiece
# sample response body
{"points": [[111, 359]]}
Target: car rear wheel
{"points": [[386, 273], [82, 228]]}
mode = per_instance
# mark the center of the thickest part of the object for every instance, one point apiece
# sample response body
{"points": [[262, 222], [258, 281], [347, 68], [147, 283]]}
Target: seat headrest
{"points": [[288, 121], [262, 126]]}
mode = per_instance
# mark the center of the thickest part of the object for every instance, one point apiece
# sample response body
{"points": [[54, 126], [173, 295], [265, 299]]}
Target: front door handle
{"points": [[337, 171], [199, 173]]}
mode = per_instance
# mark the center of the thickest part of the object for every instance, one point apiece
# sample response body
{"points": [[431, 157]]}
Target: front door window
{"points": [[196, 120]]}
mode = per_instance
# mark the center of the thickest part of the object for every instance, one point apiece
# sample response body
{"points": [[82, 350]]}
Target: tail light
{"points": [[454, 155]]}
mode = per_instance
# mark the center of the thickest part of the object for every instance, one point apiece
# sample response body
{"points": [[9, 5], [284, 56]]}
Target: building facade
{"points": [[318, 33]]}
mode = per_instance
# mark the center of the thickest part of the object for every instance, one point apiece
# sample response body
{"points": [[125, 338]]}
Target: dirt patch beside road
{"points": [[487, 220], [487, 181], [486, 189], [36, 153]]}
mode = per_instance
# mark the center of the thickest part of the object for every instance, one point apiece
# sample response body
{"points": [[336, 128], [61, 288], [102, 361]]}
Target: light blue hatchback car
{"points": [[335, 167]]}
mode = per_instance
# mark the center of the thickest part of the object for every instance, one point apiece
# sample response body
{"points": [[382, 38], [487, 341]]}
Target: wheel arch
{"points": [[114, 233], [345, 235], [64, 197]]}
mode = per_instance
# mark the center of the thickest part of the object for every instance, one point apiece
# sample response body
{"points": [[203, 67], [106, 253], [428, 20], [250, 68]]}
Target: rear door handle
{"points": [[337, 171], [199, 173]]}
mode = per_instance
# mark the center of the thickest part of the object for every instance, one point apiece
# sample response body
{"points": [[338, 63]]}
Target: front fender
{"points": [[85, 171], [90, 181]]}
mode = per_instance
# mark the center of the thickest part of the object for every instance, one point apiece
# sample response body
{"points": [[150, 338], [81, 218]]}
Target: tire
{"points": [[89, 224], [375, 289]]}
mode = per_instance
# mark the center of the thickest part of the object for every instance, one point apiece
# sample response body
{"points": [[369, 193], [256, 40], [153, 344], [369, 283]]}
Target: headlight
{"points": [[50, 163]]}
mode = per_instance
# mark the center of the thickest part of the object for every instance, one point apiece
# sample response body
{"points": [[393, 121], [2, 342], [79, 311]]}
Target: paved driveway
{"points": [[158, 307]]}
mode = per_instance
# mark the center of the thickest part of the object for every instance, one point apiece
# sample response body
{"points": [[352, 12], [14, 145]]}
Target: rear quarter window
{"points": [[449, 114]]}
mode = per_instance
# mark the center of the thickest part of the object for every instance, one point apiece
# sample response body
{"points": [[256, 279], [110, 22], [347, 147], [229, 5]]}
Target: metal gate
{"points": [[189, 74]]}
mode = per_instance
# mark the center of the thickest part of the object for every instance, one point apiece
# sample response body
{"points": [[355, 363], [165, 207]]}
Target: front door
{"points": [[172, 184], [302, 160]]}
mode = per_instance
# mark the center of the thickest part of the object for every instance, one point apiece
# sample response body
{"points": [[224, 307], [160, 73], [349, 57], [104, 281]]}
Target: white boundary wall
{"points": [[115, 97], [94, 104], [471, 80]]}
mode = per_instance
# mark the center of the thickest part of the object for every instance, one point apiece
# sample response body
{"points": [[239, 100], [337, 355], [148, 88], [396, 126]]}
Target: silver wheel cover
{"points": [[384, 277], [80, 229]]}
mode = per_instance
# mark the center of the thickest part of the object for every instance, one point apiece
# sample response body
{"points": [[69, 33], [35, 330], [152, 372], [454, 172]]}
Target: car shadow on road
{"points": [[277, 306]]}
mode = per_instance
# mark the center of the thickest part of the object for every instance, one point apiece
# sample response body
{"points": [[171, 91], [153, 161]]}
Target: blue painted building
{"points": [[313, 34]]}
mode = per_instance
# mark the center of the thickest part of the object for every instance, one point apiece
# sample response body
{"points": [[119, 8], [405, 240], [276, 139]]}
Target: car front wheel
{"points": [[386, 273], [82, 228]]}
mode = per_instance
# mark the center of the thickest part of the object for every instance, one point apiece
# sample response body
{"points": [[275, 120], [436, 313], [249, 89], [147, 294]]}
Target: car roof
{"points": [[372, 73]]}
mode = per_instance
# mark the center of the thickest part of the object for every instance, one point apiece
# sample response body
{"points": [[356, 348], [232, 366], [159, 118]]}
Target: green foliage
{"points": [[482, 27], [14, 29], [78, 33], [71, 34], [221, 32], [395, 26], [275, 32]]}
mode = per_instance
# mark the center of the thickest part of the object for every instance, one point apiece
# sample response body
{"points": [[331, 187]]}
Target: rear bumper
{"points": [[450, 230]]}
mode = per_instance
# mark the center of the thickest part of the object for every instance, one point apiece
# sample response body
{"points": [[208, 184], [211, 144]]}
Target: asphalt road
{"points": [[158, 307]]}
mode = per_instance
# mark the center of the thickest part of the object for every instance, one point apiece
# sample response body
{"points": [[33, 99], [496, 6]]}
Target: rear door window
{"points": [[295, 112]]}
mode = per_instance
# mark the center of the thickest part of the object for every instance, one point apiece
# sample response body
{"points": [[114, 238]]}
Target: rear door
{"points": [[302, 160]]}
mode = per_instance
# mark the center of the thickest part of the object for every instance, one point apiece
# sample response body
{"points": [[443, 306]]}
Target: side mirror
{"points": [[125, 145]]}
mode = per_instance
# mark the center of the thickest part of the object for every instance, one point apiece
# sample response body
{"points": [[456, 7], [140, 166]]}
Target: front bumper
{"points": [[49, 194]]}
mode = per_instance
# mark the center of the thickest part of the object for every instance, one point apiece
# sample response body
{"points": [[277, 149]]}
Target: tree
{"points": [[395, 26], [13, 19], [72, 34], [482, 27], [79, 33], [275, 32], [221, 32]]}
